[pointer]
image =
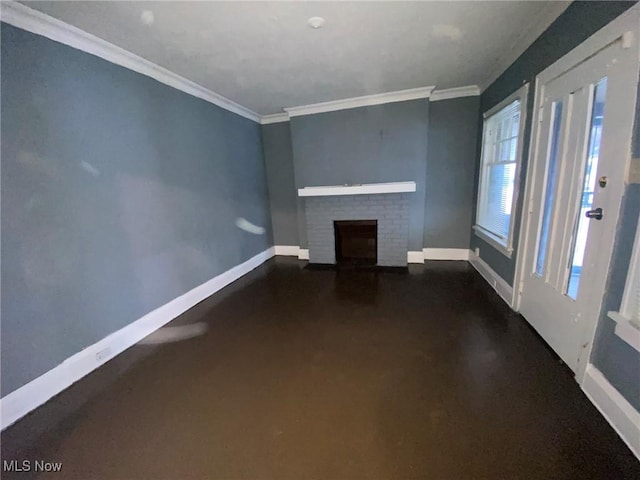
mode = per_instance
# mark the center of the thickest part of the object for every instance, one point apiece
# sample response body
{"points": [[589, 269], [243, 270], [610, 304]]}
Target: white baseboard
{"points": [[412, 257], [35, 393], [445, 253], [415, 257], [496, 281], [287, 250], [624, 419], [292, 251]]}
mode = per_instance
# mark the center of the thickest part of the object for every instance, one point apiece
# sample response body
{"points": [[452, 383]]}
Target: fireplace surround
{"points": [[389, 210]]}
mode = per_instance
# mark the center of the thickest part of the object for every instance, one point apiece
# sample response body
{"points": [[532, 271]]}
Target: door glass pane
{"points": [[550, 187], [586, 201]]}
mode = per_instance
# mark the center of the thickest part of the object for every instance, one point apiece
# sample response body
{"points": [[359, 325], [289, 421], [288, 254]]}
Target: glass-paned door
{"points": [[576, 181]]}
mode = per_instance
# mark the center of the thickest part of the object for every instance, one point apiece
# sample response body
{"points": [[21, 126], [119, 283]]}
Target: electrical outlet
{"points": [[103, 354], [477, 251]]}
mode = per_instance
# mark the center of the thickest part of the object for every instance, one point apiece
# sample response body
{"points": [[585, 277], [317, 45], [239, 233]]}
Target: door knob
{"points": [[595, 214]]}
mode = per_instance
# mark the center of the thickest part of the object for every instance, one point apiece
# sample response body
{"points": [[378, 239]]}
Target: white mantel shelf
{"points": [[362, 189]]}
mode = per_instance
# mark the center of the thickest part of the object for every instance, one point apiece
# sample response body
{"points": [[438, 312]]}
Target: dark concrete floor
{"points": [[333, 375]]}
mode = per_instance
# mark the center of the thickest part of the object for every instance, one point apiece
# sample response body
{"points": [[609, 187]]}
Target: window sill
{"points": [[493, 241], [626, 330]]}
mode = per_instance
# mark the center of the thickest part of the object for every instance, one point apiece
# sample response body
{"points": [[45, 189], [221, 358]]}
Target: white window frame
{"points": [[506, 248], [626, 327]]}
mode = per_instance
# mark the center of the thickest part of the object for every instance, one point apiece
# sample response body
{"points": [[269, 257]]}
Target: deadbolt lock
{"points": [[595, 214], [602, 181]]}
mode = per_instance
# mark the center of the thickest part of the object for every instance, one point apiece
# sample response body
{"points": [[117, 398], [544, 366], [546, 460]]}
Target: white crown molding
{"points": [[535, 27], [377, 99], [364, 101], [34, 21], [39, 23], [448, 93], [274, 118]]}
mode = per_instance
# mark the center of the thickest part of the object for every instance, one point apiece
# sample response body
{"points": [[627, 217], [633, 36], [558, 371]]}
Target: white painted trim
{"points": [[487, 237], [445, 253], [521, 95], [18, 403], [389, 97], [535, 28], [26, 18], [364, 189], [274, 118], [632, 282], [364, 101], [458, 92], [614, 31], [496, 281], [287, 250], [620, 414], [628, 21], [304, 254], [415, 257], [625, 329]]}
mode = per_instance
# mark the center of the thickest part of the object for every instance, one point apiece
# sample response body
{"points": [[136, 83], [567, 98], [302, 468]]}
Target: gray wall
{"points": [[278, 157], [382, 143], [118, 195], [576, 24], [449, 192], [402, 141], [615, 358]]}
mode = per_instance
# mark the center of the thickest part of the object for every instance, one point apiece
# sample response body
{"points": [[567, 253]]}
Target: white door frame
{"points": [[625, 29]]}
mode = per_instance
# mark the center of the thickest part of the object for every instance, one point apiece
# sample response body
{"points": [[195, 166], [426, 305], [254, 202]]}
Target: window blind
{"points": [[499, 161]]}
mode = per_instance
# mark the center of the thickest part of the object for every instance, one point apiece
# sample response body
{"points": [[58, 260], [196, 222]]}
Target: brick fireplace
{"points": [[389, 211]]}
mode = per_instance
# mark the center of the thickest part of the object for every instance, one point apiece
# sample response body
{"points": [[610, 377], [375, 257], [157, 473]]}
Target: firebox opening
{"points": [[356, 242]]}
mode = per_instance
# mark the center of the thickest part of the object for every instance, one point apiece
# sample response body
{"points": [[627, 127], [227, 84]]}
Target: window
{"points": [[501, 153], [628, 318]]}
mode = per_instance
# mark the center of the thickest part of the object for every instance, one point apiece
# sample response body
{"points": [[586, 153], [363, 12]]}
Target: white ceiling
{"points": [[264, 56]]}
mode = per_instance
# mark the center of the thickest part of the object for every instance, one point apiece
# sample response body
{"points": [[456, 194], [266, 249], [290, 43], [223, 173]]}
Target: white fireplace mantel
{"points": [[360, 189]]}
